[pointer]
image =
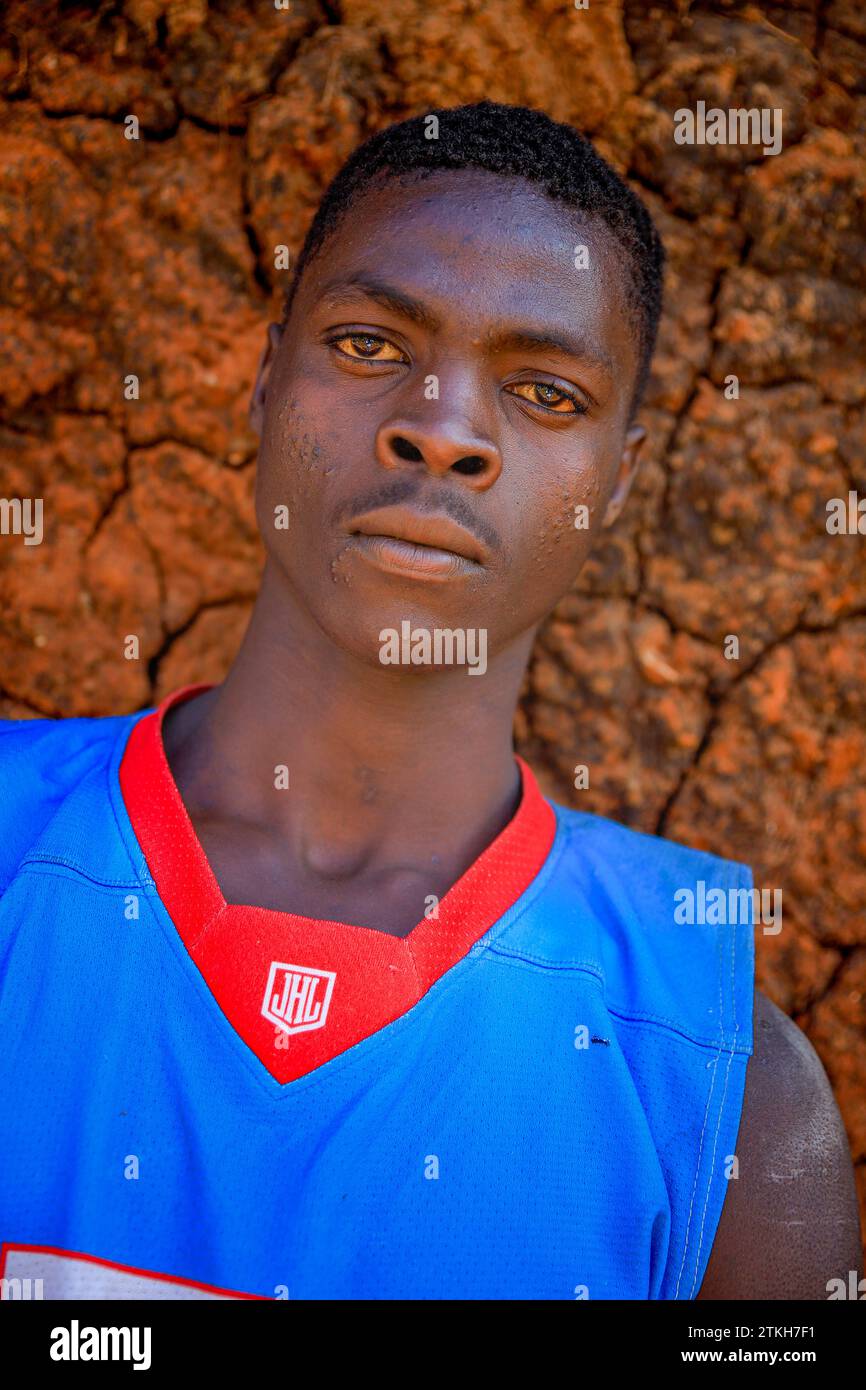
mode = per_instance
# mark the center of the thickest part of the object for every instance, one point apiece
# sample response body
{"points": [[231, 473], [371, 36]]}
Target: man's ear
{"points": [[625, 474], [266, 362]]}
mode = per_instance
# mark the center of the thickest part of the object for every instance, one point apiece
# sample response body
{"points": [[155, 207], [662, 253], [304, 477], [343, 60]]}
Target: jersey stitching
{"points": [[544, 963], [700, 1148], [196, 940], [721, 1111], [708, 1044], [637, 1017], [719, 1114], [36, 862], [414, 964]]}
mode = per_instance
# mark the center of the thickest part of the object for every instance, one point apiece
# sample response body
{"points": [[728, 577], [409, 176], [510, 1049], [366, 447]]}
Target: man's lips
{"points": [[408, 559], [418, 532]]}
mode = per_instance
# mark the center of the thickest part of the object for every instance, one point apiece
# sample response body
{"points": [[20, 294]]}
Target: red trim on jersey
{"points": [[8, 1246], [357, 978]]}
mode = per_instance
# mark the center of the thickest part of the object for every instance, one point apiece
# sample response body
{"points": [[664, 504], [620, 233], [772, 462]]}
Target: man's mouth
{"points": [[420, 543]]}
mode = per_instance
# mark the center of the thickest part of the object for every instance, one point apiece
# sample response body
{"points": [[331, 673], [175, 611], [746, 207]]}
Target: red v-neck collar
{"points": [[299, 990]]}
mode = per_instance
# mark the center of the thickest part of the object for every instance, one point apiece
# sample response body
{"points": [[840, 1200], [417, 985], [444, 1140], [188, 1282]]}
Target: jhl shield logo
{"points": [[297, 998]]}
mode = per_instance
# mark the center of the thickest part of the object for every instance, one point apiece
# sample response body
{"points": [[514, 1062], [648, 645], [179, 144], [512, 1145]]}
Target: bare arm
{"points": [[789, 1223]]}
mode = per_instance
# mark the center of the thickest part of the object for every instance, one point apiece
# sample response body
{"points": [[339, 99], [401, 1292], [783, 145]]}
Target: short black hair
{"points": [[523, 143]]}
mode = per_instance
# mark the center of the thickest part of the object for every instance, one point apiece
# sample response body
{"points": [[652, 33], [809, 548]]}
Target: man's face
{"points": [[449, 393]]}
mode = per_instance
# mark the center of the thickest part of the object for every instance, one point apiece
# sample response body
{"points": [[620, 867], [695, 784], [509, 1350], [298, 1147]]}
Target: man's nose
{"points": [[441, 446]]}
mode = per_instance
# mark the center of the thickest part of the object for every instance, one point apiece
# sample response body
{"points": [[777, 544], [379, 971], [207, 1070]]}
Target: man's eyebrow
{"points": [[387, 296], [542, 340]]}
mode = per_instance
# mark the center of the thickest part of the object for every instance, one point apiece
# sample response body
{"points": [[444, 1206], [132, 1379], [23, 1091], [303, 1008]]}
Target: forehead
{"points": [[481, 250]]}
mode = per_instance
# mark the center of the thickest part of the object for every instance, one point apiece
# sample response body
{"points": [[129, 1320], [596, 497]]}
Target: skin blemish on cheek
{"points": [[337, 571], [302, 453], [369, 785]]}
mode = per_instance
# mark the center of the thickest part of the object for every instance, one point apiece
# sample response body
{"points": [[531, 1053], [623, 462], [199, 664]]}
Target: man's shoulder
{"points": [[661, 925], [789, 1226], [641, 851], [50, 751], [670, 898], [42, 762]]}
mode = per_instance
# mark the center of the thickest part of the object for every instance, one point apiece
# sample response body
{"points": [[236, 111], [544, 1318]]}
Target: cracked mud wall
{"points": [[156, 257]]}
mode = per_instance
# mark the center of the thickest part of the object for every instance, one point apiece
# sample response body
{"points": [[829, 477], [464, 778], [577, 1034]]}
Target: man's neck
{"points": [[397, 780]]}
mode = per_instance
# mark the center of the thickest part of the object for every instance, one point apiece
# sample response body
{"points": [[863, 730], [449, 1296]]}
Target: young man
{"points": [[306, 989]]}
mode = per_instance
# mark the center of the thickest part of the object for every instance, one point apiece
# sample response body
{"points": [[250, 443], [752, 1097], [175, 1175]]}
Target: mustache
{"points": [[396, 490]]}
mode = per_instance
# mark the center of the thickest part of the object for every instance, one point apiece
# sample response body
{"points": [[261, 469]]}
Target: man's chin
{"points": [[405, 640]]}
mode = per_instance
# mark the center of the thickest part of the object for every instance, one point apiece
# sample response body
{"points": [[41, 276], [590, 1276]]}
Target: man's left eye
{"points": [[551, 397], [367, 347]]}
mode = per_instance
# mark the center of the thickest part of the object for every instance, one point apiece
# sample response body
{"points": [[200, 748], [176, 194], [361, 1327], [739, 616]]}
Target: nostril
{"points": [[472, 463], [404, 449]]}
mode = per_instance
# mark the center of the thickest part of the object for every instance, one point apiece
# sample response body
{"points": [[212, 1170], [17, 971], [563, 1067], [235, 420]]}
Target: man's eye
{"points": [[551, 397], [367, 347]]}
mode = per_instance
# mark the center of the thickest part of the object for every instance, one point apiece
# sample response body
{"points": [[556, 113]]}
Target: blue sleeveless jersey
{"points": [[553, 1117]]}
